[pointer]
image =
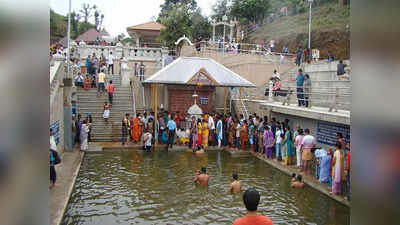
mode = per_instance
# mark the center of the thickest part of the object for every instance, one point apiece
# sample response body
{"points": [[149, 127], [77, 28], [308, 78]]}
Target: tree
{"points": [[221, 8], [177, 22], [201, 27], [168, 5], [86, 11], [252, 10]]}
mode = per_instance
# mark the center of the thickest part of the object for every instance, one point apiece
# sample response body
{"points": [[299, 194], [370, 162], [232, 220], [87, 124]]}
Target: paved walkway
{"points": [[67, 172]]}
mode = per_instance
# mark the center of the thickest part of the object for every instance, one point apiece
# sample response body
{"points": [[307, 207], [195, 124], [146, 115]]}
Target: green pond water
{"points": [[158, 188]]}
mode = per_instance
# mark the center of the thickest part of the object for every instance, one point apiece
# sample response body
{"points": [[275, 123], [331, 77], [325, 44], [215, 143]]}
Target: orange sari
{"points": [[135, 129]]}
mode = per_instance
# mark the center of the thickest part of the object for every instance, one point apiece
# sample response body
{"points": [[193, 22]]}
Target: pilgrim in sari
{"points": [[205, 134], [232, 132], [135, 128], [337, 169], [243, 135], [287, 147], [219, 132], [199, 132], [325, 165], [268, 142], [193, 133]]}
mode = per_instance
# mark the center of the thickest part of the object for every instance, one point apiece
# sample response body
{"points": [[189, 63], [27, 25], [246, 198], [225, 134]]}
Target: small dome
{"points": [[195, 110]]}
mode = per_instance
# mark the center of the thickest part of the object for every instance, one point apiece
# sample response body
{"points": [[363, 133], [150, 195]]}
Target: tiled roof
{"points": [[91, 35], [152, 25], [186, 70]]}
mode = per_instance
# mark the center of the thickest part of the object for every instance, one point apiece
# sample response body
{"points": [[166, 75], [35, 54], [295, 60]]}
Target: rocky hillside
{"points": [[330, 31]]}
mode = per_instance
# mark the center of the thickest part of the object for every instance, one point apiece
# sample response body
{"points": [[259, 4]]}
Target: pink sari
{"points": [[336, 182]]}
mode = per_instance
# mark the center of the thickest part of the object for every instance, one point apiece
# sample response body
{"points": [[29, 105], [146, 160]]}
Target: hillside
{"points": [[58, 27], [330, 31]]}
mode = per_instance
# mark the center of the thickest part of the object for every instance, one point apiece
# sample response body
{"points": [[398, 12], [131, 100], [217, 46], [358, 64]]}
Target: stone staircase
{"points": [[87, 101]]}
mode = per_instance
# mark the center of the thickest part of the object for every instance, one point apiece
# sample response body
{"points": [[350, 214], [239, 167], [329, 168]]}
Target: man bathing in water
{"points": [[202, 177], [298, 183], [235, 185]]}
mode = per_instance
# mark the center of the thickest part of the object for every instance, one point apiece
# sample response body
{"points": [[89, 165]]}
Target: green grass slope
{"points": [[330, 30]]}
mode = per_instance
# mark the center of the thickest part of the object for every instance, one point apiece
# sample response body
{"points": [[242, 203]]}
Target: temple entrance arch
{"points": [[231, 25]]}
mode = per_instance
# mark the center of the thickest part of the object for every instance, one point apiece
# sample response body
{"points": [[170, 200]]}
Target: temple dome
{"points": [[195, 110]]}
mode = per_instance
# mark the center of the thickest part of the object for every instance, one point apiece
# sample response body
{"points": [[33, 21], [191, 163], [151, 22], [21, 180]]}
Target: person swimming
{"points": [[298, 183], [202, 177], [235, 185]]}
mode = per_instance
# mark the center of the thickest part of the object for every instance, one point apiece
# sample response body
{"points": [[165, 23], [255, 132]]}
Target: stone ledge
{"points": [[317, 113], [308, 180]]}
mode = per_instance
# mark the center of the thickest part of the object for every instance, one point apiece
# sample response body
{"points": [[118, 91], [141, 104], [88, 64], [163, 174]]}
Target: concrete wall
{"points": [[57, 100]]}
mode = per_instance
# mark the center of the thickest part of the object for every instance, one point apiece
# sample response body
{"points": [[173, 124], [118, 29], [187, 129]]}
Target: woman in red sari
{"points": [[135, 128]]}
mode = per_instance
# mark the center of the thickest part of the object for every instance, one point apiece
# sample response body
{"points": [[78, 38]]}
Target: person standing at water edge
{"points": [[147, 140], [338, 174], [251, 198], [171, 125], [278, 140], [297, 142], [235, 185], [219, 131], [125, 125], [84, 135], [306, 145], [202, 177]]}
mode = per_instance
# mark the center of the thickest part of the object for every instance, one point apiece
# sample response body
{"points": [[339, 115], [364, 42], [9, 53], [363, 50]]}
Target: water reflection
{"points": [[158, 188]]}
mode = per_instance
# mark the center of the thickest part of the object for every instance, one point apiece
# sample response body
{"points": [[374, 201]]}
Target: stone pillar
{"points": [[118, 50], [164, 54], [125, 79], [213, 40], [137, 42], [82, 50], [231, 33], [270, 97]]}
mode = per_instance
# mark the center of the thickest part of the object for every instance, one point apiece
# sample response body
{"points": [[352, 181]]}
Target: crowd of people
{"points": [[270, 139]]}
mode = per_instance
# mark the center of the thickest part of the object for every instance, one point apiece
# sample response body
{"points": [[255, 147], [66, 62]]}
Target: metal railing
{"points": [[330, 97]]}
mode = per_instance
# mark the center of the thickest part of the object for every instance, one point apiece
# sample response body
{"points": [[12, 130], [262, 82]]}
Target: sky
{"points": [[120, 14]]}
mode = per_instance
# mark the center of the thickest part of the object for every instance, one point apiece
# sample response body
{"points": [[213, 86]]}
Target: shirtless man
{"points": [[235, 185], [298, 183], [202, 177]]}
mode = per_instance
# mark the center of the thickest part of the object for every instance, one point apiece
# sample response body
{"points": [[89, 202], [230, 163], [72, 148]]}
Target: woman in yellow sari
{"points": [[199, 132], [205, 134]]}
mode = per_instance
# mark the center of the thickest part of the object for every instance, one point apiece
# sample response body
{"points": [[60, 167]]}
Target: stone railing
{"points": [[119, 51], [57, 73]]}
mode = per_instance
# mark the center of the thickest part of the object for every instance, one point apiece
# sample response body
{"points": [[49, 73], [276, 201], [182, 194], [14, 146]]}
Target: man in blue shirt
{"points": [[299, 83], [171, 125]]}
